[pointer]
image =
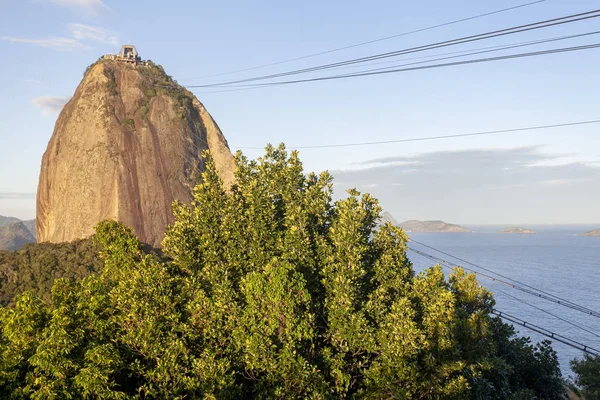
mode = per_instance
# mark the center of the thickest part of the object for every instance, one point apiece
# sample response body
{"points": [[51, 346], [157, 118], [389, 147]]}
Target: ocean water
{"points": [[555, 260]]}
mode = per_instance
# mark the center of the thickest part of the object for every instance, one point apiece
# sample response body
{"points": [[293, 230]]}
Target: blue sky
{"points": [[47, 44]]}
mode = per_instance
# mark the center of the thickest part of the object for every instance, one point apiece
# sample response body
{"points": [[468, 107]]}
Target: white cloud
{"points": [[481, 186], [57, 43], [83, 32], [89, 7], [50, 104], [80, 33]]}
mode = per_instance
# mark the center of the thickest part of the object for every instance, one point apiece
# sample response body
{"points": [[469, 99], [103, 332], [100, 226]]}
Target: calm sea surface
{"points": [[554, 260]]}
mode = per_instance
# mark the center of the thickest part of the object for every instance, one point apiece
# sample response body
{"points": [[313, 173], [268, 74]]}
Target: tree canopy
{"points": [[587, 375], [36, 266], [269, 289]]}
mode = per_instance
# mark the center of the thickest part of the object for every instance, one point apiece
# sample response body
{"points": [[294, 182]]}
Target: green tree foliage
{"points": [[37, 265], [587, 376], [271, 290]]}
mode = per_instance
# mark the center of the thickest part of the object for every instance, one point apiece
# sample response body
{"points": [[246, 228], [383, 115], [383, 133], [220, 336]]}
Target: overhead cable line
{"points": [[452, 42], [498, 274], [418, 139], [371, 41], [463, 53], [573, 324], [588, 330], [545, 332], [457, 54], [520, 287], [452, 64], [485, 50]]}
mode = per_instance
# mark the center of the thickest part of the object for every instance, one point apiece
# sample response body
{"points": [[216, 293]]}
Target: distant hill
{"points": [[431, 226], [595, 232], [387, 217], [7, 220], [30, 224], [14, 235], [517, 230]]}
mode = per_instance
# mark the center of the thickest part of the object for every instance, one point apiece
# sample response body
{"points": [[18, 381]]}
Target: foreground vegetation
{"points": [[270, 290], [587, 372]]}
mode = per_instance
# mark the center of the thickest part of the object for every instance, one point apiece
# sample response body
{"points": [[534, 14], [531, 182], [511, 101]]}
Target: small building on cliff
{"points": [[128, 54]]}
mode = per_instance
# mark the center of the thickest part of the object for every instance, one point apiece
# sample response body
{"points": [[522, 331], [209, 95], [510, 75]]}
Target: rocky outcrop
{"points": [[431, 226], [30, 224], [595, 232], [517, 230], [387, 217], [14, 236], [127, 144]]}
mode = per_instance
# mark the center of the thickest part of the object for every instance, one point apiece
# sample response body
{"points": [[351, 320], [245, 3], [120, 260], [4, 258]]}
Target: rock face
{"points": [[431, 226], [595, 232], [14, 235], [387, 217], [517, 230], [125, 146], [30, 224]]}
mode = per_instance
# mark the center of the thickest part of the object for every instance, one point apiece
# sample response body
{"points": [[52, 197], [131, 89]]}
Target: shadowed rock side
{"points": [[125, 146], [387, 217]]}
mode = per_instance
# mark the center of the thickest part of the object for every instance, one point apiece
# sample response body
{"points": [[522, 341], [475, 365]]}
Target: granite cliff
{"points": [[127, 144]]}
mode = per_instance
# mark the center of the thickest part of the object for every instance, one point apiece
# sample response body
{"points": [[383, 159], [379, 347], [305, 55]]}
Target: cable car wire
{"points": [[545, 332], [452, 42], [452, 64], [371, 41], [497, 274], [418, 139], [588, 330], [523, 288]]}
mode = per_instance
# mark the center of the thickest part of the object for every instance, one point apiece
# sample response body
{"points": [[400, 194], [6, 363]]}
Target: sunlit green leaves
{"points": [[269, 290]]}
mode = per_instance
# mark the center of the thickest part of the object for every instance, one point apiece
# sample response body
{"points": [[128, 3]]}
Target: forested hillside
{"points": [[37, 265]]}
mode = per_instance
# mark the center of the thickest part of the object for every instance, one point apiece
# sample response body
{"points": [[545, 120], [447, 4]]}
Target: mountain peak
{"points": [[127, 144]]}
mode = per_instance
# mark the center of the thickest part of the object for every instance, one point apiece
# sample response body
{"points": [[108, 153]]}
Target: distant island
{"points": [[517, 230], [595, 232], [431, 226]]}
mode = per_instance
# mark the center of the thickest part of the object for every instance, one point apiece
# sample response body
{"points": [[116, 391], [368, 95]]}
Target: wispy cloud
{"points": [[88, 7], [32, 82], [50, 104], [80, 35], [515, 185], [16, 196], [83, 32], [57, 43]]}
